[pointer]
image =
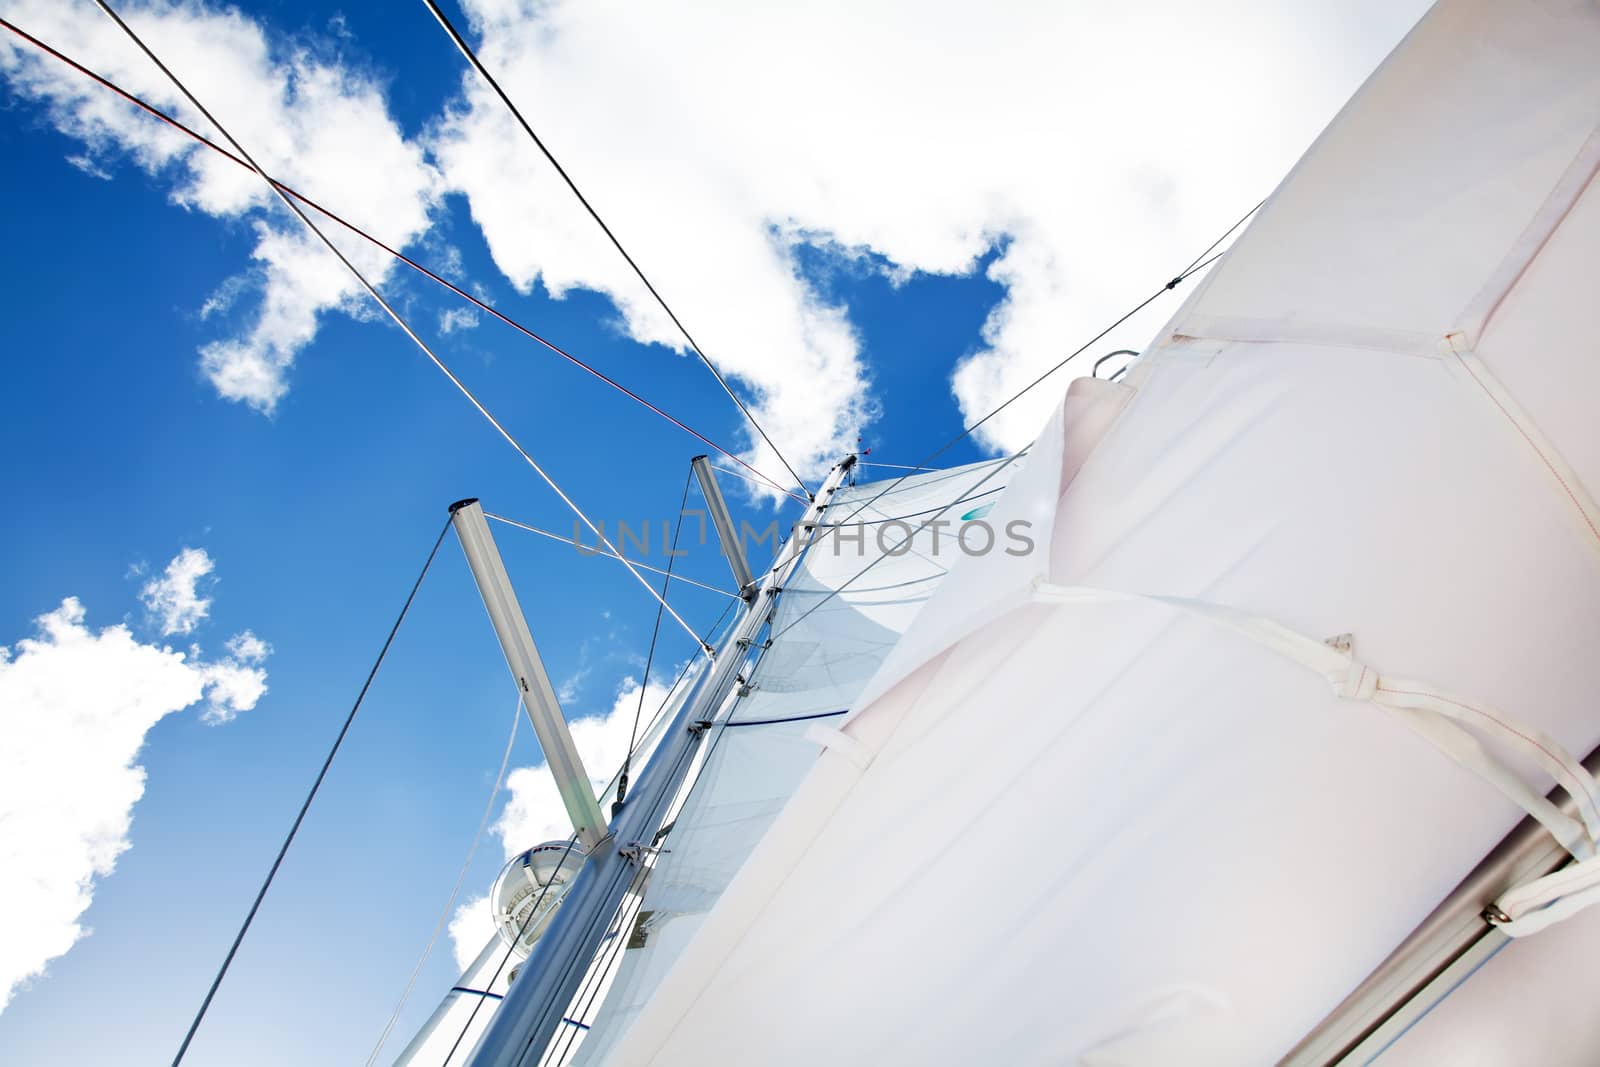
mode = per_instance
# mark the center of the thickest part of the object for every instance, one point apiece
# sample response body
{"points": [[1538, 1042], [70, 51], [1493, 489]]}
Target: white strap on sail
{"points": [[1545, 901], [1444, 720]]}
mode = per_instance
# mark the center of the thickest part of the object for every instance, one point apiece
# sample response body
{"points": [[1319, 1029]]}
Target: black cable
{"points": [[546, 887], [233, 949], [1174, 283], [1191, 268], [388, 308], [481, 304], [477, 64], [655, 632], [885, 554], [511, 948], [626, 915]]}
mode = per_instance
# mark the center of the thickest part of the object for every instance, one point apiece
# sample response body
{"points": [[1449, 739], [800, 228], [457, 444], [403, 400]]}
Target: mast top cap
{"points": [[459, 504]]}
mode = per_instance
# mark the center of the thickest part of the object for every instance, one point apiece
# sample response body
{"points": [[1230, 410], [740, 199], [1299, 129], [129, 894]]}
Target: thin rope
{"points": [[510, 949], [755, 475], [626, 914], [655, 632], [597, 552], [255, 906], [455, 890], [570, 842], [891, 551], [477, 64], [1192, 269], [396, 316]]}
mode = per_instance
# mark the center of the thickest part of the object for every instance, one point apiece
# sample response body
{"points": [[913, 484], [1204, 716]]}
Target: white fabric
{"points": [[1546, 901], [1114, 833], [1443, 719], [824, 648]]}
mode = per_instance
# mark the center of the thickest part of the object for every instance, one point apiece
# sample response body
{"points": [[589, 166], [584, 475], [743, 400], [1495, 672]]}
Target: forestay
{"points": [[1158, 793], [833, 625]]}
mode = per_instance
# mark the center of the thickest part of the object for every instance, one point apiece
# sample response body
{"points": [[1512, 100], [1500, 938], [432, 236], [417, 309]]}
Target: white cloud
{"points": [[319, 126], [533, 811], [246, 647], [178, 599], [470, 927], [1097, 147], [1092, 149], [89, 166], [455, 319], [75, 707]]}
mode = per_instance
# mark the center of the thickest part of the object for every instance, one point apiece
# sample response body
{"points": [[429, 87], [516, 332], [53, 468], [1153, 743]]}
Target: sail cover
{"points": [[881, 550], [1157, 793]]}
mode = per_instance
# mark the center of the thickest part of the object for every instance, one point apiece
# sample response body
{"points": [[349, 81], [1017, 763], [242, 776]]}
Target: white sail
{"points": [[1164, 791], [833, 625]]}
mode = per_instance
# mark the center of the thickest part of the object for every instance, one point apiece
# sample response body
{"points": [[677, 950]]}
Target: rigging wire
{"points": [[650, 657], [1194, 268], [687, 752], [883, 555], [455, 890], [155, 112], [510, 948], [599, 967], [622, 922], [398, 319], [255, 906], [660, 711], [477, 64], [597, 552]]}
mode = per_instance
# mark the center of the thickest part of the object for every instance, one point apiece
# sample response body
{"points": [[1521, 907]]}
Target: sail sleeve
{"points": [[1183, 779]]}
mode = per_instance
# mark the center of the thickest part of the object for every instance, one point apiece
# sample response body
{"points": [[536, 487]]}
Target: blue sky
{"points": [[844, 303]]}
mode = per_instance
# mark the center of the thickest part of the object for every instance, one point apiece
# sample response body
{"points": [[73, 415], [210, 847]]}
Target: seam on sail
{"points": [[1334, 335], [1348, 676], [1552, 213], [1559, 469]]}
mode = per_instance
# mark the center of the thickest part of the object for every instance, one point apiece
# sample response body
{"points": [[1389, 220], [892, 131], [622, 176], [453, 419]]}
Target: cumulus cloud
{"points": [[533, 811], [237, 681], [1084, 153], [75, 707], [454, 319], [89, 166], [311, 120], [1093, 149], [179, 598]]}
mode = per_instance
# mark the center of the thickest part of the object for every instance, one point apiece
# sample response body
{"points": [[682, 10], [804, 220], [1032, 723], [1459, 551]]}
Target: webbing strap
{"points": [[1545, 901], [1451, 724]]}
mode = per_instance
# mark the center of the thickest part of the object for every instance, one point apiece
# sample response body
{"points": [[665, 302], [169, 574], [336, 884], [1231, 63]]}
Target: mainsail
{"points": [[833, 624], [1310, 628], [839, 596]]}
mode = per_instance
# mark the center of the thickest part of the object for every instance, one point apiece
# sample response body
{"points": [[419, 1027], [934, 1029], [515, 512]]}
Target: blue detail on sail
{"points": [[574, 1022], [476, 992], [797, 718]]}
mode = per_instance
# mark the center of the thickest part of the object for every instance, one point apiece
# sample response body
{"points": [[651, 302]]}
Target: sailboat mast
{"points": [[534, 1004]]}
